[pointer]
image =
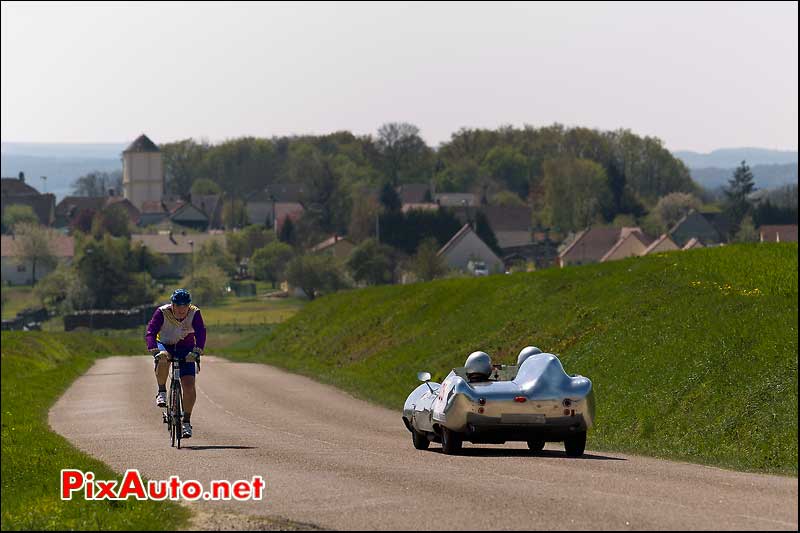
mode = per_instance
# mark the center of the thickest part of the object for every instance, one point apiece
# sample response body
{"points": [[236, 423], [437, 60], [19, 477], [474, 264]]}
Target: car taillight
{"points": [[520, 399], [482, 401]]}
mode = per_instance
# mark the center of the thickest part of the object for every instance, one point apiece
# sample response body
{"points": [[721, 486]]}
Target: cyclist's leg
{"points": [[162, 370], [187, 384]]}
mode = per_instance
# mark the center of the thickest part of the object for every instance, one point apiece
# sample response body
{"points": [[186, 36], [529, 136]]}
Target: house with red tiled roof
{"points": [[662, 244], [782, 233], [18, 272], [70, 208], [631, 242], [590, 245], [284, 210]]}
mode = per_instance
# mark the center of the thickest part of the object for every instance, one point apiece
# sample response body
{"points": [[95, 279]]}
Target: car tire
{"points": [[451, 442], [536, 445], [575, 444], [421, 441]]}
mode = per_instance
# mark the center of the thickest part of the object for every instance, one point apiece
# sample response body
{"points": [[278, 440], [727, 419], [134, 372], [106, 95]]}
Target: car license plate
{"points": [[522, 419]]}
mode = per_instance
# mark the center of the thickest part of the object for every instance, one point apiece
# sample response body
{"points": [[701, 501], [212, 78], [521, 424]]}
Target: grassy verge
{"points": [[17, 298], [37, 367], [693, 354]]}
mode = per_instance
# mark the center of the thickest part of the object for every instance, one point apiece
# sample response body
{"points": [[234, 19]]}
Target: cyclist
{"points": [[176, 329]]}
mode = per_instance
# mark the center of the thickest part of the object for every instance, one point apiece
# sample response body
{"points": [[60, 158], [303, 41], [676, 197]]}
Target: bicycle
{"points": [[173, 412]]}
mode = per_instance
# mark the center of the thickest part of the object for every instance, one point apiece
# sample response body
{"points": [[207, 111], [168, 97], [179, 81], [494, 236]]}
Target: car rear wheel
{"points": [[421, 441], [536, 445], [451, 442], [575, 444]]}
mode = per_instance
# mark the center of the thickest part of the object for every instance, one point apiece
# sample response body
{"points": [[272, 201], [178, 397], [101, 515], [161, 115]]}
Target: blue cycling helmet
{"points": [[181, 297]]}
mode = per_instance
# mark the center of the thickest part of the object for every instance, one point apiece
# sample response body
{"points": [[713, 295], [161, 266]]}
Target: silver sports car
{"points": [[533, 401]]}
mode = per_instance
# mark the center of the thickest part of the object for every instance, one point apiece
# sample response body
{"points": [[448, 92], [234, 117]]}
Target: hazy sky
{"points": [[698, 76]]}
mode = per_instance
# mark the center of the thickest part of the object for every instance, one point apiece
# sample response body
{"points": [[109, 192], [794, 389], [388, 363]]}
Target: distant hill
{"points": [[765, 176], [731, 157], [771, 168], [61, 163]]}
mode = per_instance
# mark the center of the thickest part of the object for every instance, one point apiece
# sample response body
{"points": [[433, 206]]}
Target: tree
{"points": [[372, 263], [212, 253], [243, 243], [390, 200], [207, 284], [97, 183], [113, 220], [18, 214], [288, 233], [739, 187], [485, 232], [673, 207], [427, 265], [234, 213], [203, 186], [184, 162], [362, 219], [34, 247], [576, 191], [314, 274], [269, 263], [508, 166], [63, 290], [747, 231], [507, 198], [108, 268], [83, 222], [404, 155]]}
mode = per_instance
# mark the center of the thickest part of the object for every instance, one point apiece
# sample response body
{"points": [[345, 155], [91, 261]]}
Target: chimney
{"points": [[22, 177]]}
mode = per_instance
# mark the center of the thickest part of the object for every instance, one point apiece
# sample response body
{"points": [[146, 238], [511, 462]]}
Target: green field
{"points": [[37, 367], [693, 355]]}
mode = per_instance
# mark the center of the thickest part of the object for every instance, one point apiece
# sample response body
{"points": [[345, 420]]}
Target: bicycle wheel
{"points": [[173, 394], [179, 415]]}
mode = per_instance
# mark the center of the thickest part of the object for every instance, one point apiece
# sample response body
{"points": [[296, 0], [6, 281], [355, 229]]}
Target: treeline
{"points": [[570, 176]]}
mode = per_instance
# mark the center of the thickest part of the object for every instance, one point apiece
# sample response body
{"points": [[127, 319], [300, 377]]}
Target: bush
{"points": [[315, 274], [208, 285]]}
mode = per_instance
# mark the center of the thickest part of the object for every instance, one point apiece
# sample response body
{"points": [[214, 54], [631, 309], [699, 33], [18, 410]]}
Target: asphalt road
{"points": [[341, 463]]}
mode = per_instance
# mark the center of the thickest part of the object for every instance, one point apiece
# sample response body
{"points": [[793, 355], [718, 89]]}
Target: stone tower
{"points": [[142, 172]]}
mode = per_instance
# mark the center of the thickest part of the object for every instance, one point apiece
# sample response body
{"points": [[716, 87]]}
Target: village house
{"points": [[594, 244], [177, 248], [697, 225], [15, 272], [662, 244], [631, 242], [71, 207], [14, 191], [271, 206], [466, 246], [336, 246], [693, 243], [782, 233]]}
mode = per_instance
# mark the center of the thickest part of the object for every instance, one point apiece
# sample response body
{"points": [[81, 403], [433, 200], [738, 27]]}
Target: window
{"points": [[21, 268]]}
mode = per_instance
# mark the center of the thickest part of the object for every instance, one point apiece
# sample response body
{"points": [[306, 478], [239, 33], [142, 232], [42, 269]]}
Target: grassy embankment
{"points": [[37, 367], [693, 355]]}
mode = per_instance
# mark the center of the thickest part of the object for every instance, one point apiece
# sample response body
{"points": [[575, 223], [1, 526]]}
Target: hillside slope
{"points": [[693, 354]]}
